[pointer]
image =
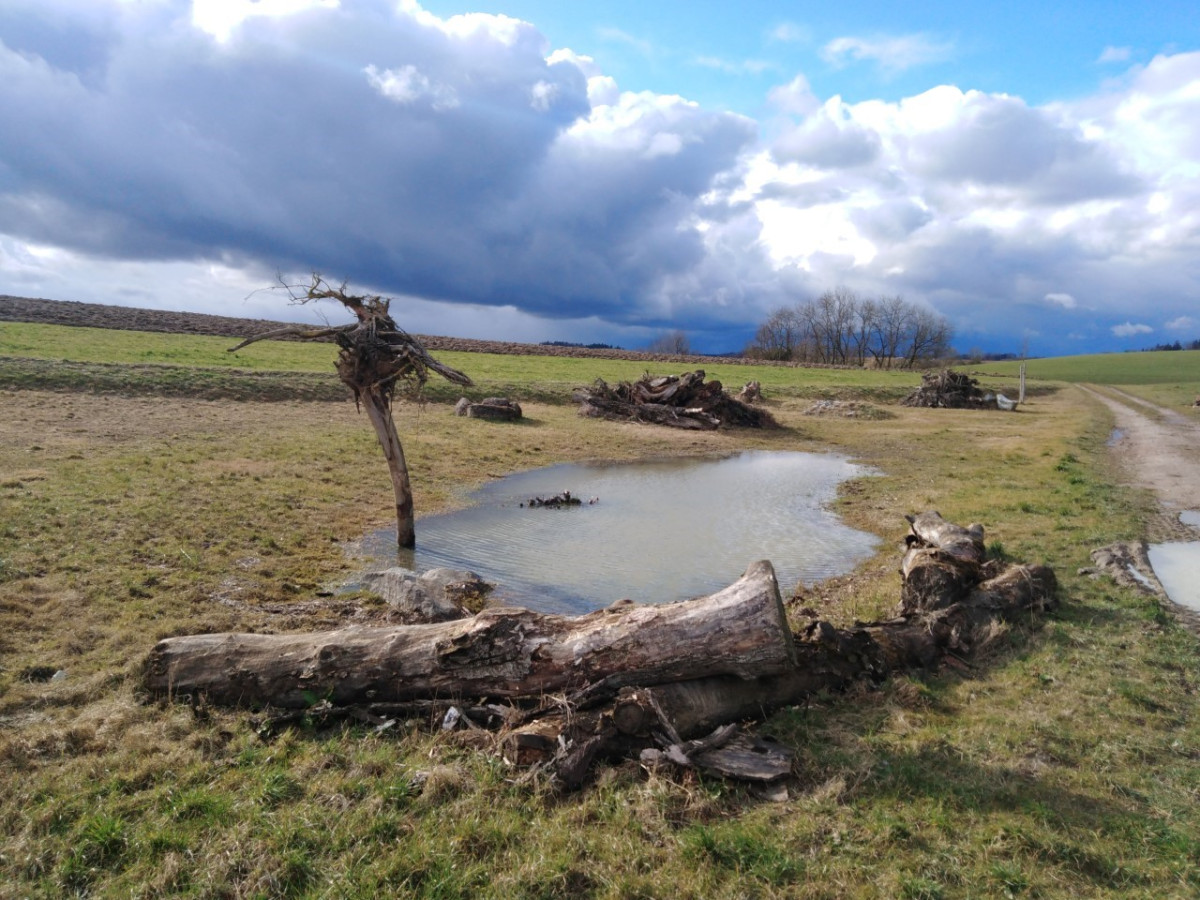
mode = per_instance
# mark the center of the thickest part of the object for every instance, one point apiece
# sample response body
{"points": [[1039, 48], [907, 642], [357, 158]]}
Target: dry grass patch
{"points": [[1062, 764]]}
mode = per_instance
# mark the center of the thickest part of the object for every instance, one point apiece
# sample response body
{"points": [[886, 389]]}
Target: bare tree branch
{"points": [[305, 334]]}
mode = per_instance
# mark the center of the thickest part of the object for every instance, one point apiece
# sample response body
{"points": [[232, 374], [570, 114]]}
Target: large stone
{"points": [[438, 595]]}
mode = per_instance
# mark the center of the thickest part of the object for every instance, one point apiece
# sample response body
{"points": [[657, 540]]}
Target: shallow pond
{"points": [[659, 530]]}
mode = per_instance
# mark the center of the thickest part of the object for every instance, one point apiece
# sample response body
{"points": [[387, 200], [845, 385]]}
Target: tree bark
{"points": [[740, 632], [380, 413]]}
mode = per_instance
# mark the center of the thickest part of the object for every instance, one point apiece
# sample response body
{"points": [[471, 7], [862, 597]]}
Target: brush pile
{"points": [[950, 390], [677, 401]]}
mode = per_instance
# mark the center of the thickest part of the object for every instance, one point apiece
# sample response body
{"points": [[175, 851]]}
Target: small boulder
{"points": [[438, 595]]}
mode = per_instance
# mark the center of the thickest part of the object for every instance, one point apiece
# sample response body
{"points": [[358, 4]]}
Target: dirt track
{"points": [[1157, 449]]}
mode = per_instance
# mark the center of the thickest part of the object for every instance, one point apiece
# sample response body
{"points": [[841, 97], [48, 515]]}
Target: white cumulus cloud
{"points": [[1112, 54], [407, 85], [891, 53], [1130, 329]]}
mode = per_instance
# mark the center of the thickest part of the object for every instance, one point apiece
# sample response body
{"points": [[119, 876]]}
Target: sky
{"points": [[610, 172]]}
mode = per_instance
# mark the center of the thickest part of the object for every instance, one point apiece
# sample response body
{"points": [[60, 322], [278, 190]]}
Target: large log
{"points": [[740, 631], [830, 659]]}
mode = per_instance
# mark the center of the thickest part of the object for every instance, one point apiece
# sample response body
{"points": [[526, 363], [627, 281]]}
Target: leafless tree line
{"points": [[842, 328]]}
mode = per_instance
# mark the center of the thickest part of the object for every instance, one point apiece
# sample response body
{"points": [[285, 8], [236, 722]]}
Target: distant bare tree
{"points": [[841, 328], [829, 322], [675, 342], [375, 358], [862, 329], [779, 337], [893, 319], [930, 337]]}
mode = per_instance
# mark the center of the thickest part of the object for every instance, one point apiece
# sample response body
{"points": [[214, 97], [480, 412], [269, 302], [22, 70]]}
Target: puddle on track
{"points": [[1178, 569], [660, 530]]}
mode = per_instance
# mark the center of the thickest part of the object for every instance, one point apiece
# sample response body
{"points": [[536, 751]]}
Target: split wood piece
{"points": [[751, 392], [739, 631], [747, 757], [929, 529], [728, 754], [942, 563]]}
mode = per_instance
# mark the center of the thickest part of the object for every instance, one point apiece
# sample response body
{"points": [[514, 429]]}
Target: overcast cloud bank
{"points": [[514, 190]]}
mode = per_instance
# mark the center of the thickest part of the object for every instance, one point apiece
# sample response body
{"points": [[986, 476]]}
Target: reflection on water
{"points": [[661, 530], [1178, 569]]}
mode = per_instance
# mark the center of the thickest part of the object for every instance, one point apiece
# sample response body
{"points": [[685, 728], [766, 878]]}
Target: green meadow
{"points": [[154, 485]]}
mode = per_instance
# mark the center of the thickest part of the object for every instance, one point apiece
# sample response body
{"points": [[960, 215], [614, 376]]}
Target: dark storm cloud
{"points": [[445, 160]]}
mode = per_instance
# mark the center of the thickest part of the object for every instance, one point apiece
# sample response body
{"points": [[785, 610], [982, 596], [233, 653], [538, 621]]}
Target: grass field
{"points": [[1065, 763], [1151, 367], [205, 360], [1169, 378]]}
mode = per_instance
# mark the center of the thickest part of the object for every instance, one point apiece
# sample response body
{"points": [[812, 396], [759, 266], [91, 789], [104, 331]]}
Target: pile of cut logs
{"points": [[678, 401], [669, 684]]}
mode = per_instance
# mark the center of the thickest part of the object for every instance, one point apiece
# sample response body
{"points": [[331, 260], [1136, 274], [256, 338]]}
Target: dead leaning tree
{"points": [[375, 358], [626, 680]]}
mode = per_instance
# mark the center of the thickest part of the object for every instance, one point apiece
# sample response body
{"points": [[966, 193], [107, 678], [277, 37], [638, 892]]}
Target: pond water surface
{"points": [[659, 530]]}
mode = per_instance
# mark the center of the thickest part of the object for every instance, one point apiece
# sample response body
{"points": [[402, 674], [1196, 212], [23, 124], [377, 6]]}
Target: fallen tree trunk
{"points": [[830, 659], [652, 682], [740, 631]]}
